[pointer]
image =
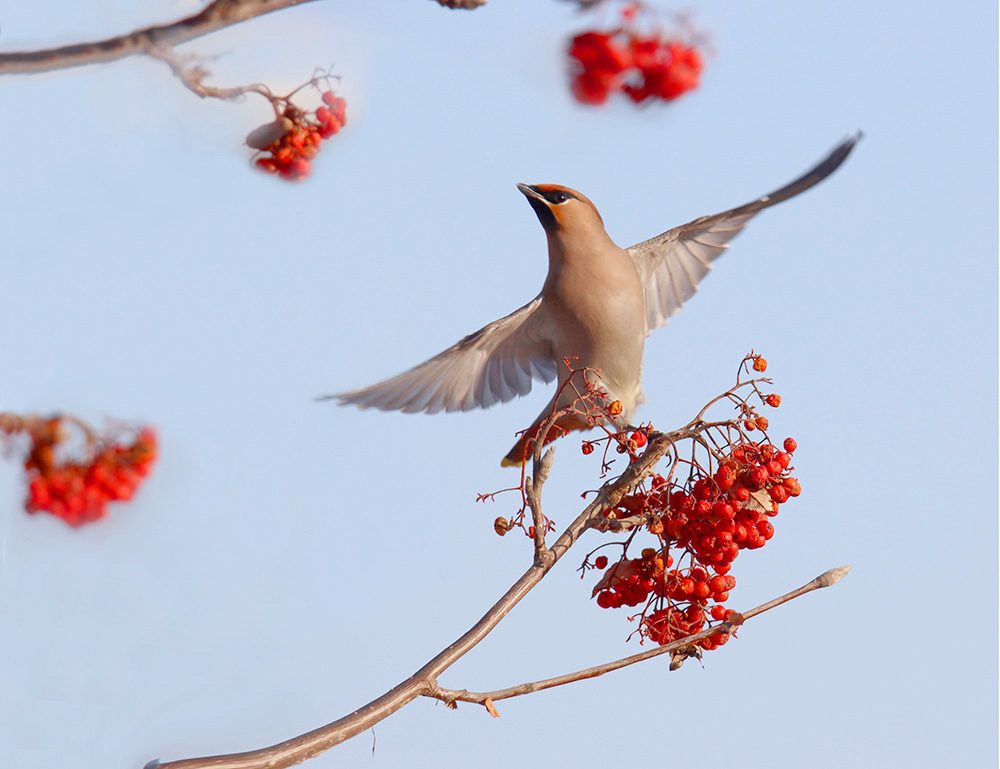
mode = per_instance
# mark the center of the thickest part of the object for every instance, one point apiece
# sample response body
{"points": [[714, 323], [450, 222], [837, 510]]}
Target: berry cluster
{"points": [[79, 491], [293, 139], [707, 521], [641, 66], [724, 503]]}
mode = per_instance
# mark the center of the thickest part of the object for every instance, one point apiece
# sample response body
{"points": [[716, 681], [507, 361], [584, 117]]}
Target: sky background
{"points": [[289, 560]]}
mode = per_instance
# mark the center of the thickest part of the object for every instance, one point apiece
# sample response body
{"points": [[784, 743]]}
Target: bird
{"points": [[596, 307]]}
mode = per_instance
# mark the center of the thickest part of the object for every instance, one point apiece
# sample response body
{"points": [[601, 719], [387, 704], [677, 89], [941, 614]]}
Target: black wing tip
{"points": [[839, 154], [812, 177]]}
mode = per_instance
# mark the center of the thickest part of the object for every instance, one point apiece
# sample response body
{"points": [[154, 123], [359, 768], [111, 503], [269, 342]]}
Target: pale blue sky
{"points": [[290, 560]]}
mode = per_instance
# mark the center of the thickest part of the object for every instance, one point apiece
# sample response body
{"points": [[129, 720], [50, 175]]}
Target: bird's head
{"points": [[561, 209]]}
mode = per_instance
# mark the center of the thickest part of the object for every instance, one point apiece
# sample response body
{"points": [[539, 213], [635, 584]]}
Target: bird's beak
{"points": [[530, 192], [541, 206]]}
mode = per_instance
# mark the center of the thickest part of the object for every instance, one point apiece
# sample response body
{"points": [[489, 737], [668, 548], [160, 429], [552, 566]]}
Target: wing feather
{"points": [[672, 264], [495, 364]]}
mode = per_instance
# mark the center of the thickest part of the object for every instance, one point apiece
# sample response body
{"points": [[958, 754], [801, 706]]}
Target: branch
{"points": [[217, 15], [452, 695], [424, 681], [192, 76]]}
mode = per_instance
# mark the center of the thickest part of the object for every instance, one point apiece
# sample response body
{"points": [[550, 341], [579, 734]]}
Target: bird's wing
{"points": [[494, 364], [672, 264]]}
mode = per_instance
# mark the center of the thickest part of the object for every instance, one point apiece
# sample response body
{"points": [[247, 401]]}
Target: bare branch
{"points": [[218, 15], [463, 695], [424, 681], [465, 5]]}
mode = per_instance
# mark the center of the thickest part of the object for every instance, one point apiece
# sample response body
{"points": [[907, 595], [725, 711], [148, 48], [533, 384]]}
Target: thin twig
{"points": [[463, 695], [192, 76]]}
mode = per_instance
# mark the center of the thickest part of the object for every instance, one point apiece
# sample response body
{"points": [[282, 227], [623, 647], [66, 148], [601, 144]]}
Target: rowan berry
{"points": [[758, 476], [779, 494]]}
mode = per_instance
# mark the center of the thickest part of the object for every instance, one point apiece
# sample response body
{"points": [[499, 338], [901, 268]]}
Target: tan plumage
{"points": [[597, 305]]}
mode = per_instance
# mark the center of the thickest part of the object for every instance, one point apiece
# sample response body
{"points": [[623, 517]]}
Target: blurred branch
{"points": [[192, 76], [219, 14]]}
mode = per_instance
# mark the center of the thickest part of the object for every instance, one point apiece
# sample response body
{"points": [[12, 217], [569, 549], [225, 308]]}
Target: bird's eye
{"points": [[559, 197]]}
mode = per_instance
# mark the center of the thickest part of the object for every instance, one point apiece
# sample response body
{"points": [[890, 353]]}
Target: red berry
{"points": [[719, 612], [725, 476], [760, 364], [639, 438], [601, 562], [587, 448], [773, 400]]}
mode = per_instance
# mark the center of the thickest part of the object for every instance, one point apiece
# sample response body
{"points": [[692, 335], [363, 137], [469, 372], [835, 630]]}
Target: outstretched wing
{"points": [[493, 365], [672, 264]]}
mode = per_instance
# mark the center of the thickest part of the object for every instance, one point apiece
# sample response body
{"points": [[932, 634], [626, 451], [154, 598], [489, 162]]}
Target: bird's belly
{"points": [[607, 337]]}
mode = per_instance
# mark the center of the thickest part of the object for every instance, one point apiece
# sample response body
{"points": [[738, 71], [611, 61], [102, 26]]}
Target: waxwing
{"points": [[596, 307]]}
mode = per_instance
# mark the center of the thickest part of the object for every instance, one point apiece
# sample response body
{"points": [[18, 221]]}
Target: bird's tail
{"points": [[525, 445]]}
